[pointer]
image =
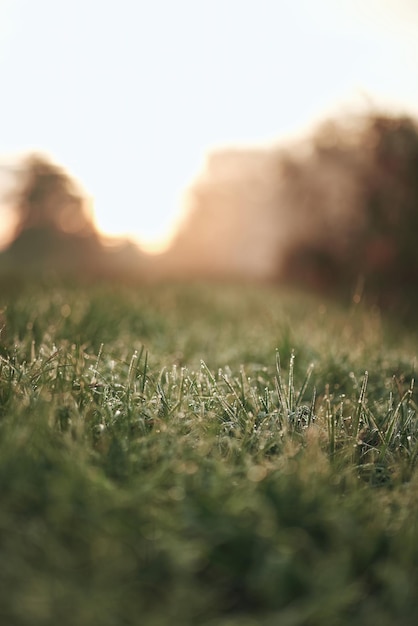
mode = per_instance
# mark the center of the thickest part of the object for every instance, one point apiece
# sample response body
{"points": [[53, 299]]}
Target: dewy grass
{"points": [[161, 462]]}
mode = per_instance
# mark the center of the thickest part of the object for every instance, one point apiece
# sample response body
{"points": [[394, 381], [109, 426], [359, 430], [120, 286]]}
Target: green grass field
{"points": [[204, 455]]}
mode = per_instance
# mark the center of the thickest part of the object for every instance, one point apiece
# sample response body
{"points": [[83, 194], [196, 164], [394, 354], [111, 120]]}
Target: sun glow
{"points": [[132, 113]]}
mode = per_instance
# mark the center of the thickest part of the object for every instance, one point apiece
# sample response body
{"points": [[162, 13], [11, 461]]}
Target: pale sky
{"points": [[130, 94]]}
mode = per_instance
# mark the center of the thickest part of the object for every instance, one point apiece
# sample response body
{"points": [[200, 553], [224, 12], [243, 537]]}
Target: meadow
{"points": [[204, 455]]}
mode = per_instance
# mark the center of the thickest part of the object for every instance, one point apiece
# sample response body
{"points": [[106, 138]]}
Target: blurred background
{"points": [[262, 140]]}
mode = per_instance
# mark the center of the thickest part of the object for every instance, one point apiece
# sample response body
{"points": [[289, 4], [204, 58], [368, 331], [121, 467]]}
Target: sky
{"points": [[129, 95]]}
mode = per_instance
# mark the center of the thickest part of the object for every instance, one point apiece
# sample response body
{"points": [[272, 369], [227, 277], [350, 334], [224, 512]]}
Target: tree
{"points": [[49, 199], [357, 195], [55, 234]]}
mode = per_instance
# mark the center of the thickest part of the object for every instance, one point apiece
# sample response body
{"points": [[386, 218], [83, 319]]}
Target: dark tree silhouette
{"points": [[56, 235], [48, 198], [370, 238], [54, 232]]}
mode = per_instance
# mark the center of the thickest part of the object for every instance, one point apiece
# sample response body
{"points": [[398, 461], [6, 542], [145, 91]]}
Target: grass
{"points": [[204, 455]]}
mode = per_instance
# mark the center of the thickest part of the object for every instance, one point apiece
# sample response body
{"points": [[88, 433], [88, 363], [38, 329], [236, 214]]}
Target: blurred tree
{"points": [[55, 233], [357, 197], [391, 195], [385, 249], [49, 199]]}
